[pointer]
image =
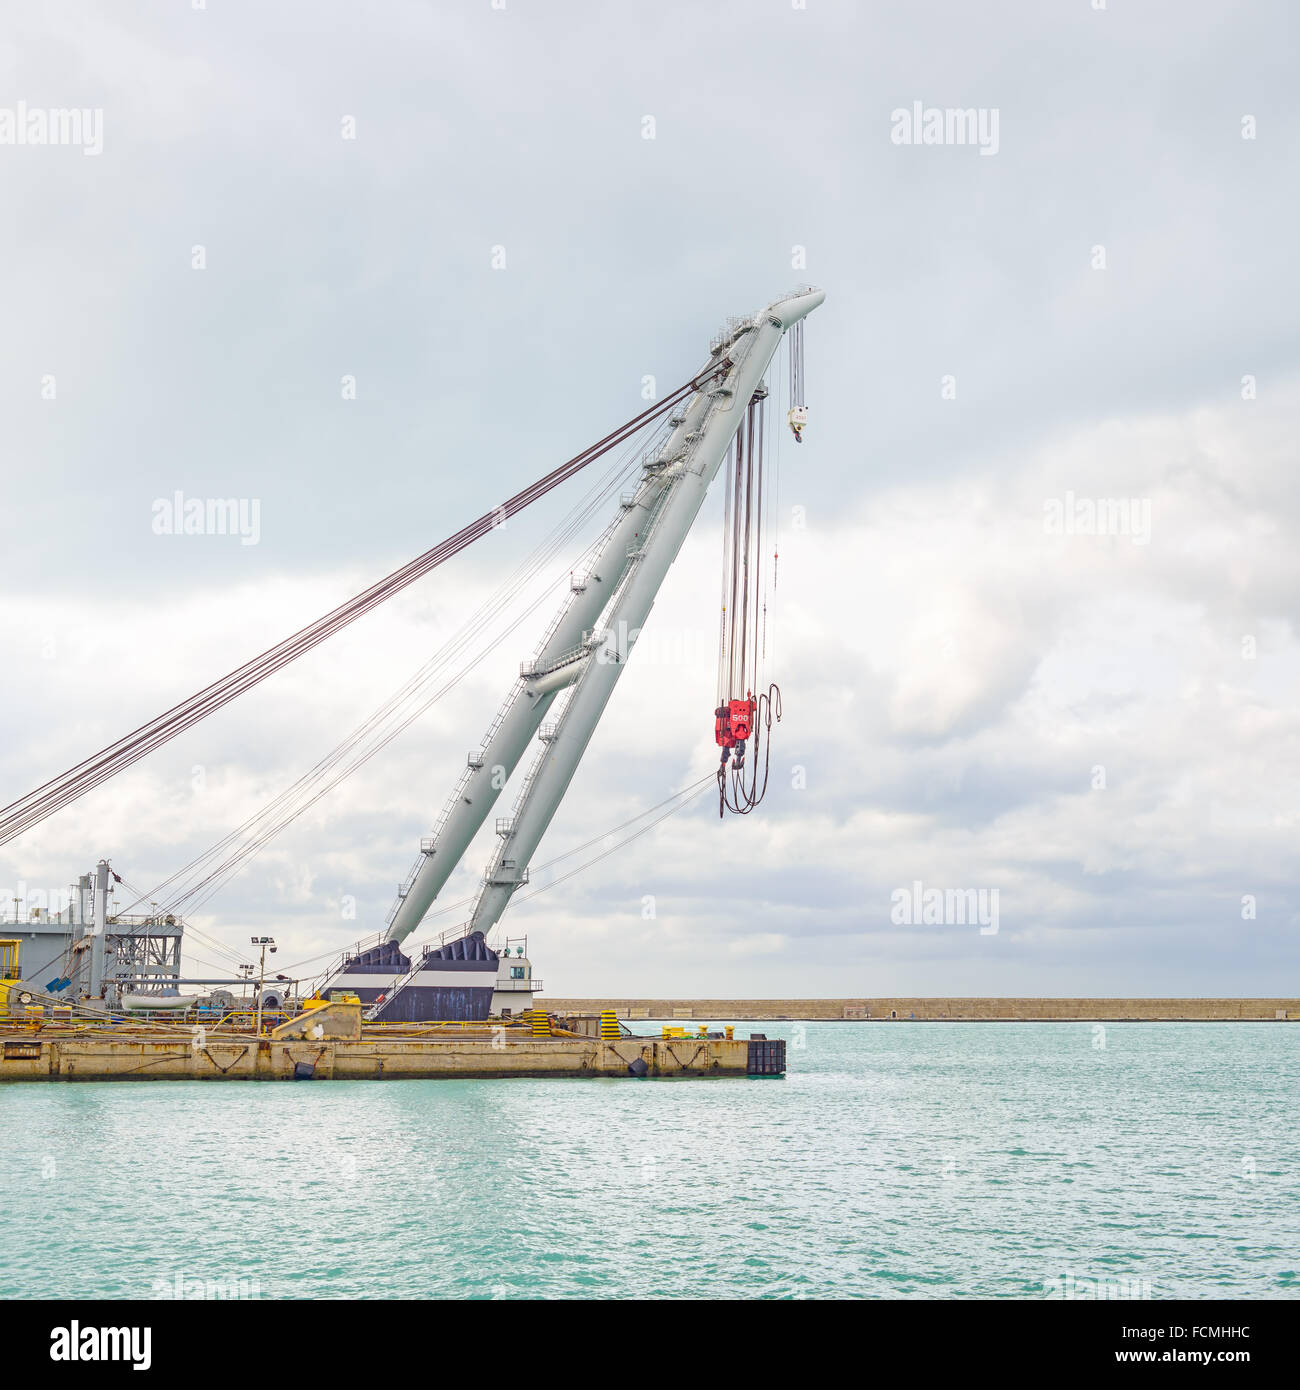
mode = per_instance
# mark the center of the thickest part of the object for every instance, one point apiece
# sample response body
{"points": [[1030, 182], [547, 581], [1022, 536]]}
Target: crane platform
{"points": [[332, 1043]]}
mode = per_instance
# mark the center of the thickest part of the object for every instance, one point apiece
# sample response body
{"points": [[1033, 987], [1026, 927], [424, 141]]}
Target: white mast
{"points": [[624, 579]]}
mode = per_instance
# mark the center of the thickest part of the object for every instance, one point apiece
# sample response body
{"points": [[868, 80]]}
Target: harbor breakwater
{"points": [[972, 1010]]}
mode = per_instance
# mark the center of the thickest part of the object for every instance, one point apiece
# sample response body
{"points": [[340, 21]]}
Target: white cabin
{"points": [[515, 985]]}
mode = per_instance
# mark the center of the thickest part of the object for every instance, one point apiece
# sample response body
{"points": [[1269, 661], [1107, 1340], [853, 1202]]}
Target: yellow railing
{"points": [[242, 1022]]}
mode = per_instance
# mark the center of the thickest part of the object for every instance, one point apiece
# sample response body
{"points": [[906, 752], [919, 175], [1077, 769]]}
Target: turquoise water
{"points": [[895, 1160]]}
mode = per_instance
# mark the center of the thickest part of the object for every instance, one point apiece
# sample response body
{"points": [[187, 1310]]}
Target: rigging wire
{"points": [[689, 792], [743, 717], [682, 798], [694, 794], [50, 796], [726, 570], [379, 728], [736, 796], [742, 641], [627, 840]]}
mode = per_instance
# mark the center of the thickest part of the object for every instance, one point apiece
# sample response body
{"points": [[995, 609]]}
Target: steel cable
{"points": [[72, 784], [406, 705]]}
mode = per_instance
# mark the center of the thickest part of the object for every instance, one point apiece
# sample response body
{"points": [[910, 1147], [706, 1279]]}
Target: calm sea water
{"points": [[895, 1160]]}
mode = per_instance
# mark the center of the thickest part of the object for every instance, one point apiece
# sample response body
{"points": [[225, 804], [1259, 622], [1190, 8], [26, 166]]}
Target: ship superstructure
{"points": [[83, 952]]}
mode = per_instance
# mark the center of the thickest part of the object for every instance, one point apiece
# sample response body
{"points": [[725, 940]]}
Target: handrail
{"points": [[337, 962]]}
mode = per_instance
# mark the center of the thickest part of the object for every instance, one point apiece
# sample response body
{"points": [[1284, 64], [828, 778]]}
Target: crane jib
{"points": [[656, 523]]}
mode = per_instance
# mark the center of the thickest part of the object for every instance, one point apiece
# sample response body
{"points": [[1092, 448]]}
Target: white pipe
{"points": [[159, 1001], [559, 679]]}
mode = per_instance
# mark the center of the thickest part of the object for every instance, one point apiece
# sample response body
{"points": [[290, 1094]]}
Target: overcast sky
{"points": [[1098, 303]]}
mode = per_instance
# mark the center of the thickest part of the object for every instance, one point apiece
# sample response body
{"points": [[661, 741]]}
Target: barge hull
{"points": [[125, 1058]]}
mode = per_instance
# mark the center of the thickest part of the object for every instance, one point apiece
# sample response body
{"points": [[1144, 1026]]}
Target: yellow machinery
{"points": [[10, 976]]}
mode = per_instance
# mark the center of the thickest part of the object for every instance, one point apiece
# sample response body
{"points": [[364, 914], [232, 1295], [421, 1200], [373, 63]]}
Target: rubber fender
{"points": [[304, 1071], [638, 1068]]}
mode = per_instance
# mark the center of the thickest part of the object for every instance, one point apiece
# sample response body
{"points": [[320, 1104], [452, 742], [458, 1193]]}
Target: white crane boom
{"points": [[622, 585]]}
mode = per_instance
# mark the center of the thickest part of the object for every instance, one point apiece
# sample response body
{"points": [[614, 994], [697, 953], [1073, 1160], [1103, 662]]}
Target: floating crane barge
{"points": [[383, 1013], [330, 1042]]}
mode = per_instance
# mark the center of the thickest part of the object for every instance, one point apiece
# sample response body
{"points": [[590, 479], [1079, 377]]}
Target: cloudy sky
{"points": [[1098, 303]]}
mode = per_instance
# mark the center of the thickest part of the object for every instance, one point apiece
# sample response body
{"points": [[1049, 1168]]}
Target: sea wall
{"points": [[932, 1009]]}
